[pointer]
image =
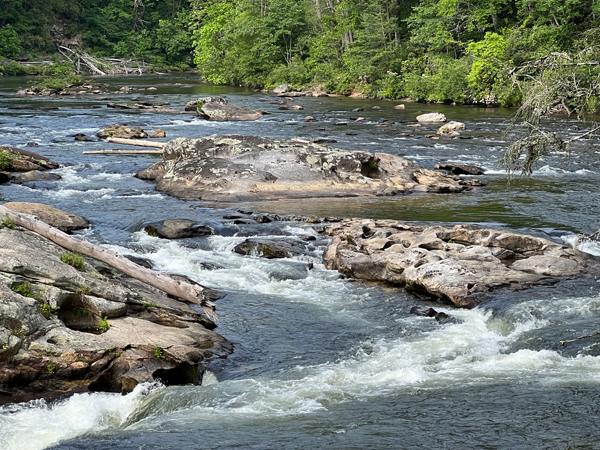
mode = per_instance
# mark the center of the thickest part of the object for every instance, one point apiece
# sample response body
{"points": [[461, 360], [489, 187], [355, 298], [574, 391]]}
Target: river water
{"points": [[321, 361]]}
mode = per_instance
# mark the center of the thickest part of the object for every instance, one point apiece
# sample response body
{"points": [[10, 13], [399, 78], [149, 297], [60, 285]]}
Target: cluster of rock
{"points": [[28, 165], [462, 264], [67, 326], [219, 109], [236, 167]]}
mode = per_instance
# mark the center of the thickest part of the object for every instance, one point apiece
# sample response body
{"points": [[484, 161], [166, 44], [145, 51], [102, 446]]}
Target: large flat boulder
{"points": [[236, 167], [63, 220], [462, 265], [64, 329]]}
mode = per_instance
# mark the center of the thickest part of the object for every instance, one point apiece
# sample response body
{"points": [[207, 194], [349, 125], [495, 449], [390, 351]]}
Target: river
{"points": [[321, 361]]}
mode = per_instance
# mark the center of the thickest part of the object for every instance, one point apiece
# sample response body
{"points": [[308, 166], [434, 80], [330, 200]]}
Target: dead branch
{"points": [[123, 152]]}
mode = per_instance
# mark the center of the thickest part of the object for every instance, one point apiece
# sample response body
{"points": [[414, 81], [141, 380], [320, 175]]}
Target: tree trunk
{"points": [[123, 152], [160, 281]]}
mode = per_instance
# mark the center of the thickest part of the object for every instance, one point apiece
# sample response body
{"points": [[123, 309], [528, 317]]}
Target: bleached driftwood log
{"points": [[137, 142], [123, 152], [160, 281]]}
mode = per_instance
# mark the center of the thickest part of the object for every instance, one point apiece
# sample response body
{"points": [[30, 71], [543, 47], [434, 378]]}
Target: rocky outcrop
{"points": [[235, 167], [177, 229], [122, 132], [147, 107], [450, 129], [223, 112], [461, 265], [196, 105], [460, 169], [63, 220], [66, 329], [32, 177], [269, 248], [431, 118], [18, 160]]}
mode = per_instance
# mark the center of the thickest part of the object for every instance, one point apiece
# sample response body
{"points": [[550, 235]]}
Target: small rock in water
{"points": [[32, 144], [358, 109], [158, 134], [399, 107], [177, 229]]}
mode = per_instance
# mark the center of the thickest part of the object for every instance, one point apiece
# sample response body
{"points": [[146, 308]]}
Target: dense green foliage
{"points": [[155, 30], [436, 50]]}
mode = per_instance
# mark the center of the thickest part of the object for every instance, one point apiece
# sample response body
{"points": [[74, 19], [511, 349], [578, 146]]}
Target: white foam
{"points": [[37, 425]]}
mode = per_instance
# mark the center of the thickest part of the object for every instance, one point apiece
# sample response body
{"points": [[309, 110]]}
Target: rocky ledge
{"points": [[462, 265], [71, 324], [242, 168]]}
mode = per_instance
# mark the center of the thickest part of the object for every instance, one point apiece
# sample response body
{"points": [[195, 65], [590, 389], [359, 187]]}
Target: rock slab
{"points": [[65, 330], [461, 265], [236, 167]]}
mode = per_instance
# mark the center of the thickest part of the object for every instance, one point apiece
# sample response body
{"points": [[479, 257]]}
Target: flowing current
{"points": [[321, 361]]}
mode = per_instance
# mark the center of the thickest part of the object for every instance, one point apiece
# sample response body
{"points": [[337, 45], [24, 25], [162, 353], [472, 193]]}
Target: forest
{"points": [[479, 52]]}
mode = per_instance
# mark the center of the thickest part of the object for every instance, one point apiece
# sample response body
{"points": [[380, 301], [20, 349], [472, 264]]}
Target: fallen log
{"points": [[123, 152], [160, 281], [137, 142]]}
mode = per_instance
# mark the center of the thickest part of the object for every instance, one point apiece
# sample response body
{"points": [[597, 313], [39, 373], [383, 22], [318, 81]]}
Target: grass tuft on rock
{"points": [[73, 260]]}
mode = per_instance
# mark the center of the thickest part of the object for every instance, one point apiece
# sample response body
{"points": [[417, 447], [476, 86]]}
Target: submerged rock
{"points": [[236, 167], [177, 229], [63, 220], [462, 265], [64, 330]]}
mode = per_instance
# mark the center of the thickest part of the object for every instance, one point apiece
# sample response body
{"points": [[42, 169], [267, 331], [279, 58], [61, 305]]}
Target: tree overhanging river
{"points": [[321, 361]]}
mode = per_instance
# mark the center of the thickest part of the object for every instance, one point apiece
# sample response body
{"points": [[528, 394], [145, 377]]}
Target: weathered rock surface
{"points": [[223, 112], [460, 169], [24, 161], [63, 220], [147, 107], [269, 248], [122, 132], [462, 264], [450, 129], [431, 118], [235, 167], [158, 134], [197, 104], [94, 329], [177, 229], [282, 89], [30, 177]]}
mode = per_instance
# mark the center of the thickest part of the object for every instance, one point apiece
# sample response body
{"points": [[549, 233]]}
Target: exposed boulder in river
{"points": [[431, 118], [65, 329], [177, 229], [450, 129], [30, 177], [19, 160], [269, 248], [122, 132], [63, 220], [236, 167], [223, 112], [462, 264], [460, 169], [195, 105]]}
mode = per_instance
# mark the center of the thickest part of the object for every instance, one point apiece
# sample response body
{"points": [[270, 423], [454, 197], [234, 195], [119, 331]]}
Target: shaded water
{"points": [[320, 361]]}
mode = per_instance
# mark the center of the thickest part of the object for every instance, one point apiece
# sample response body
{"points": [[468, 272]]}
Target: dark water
{"points": [[323, 362]]}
